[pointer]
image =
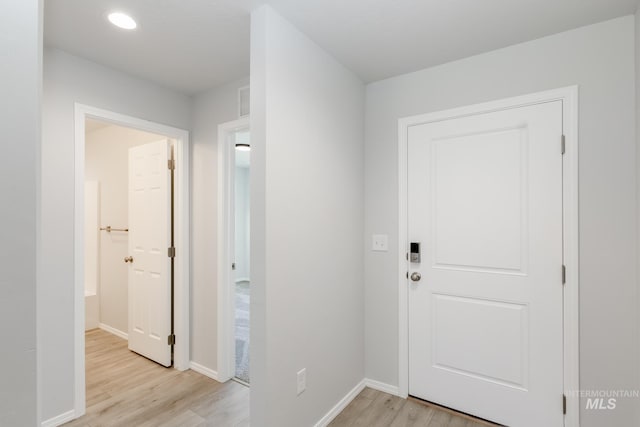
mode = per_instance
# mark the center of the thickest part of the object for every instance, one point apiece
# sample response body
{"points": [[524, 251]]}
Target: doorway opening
{"points": [[242, 276], [234, 280], [106, 227], [131, 251]]}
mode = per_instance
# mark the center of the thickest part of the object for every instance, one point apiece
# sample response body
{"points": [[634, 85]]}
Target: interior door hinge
{"points": [[171, 252], [233, 266], [171, 339], [564, 274], [563, 145], [564, 404], [171, 164]]}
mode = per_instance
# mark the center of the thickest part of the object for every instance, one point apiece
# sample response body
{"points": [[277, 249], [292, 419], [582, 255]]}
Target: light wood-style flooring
{"points": [[373, 408], [125, 389]]}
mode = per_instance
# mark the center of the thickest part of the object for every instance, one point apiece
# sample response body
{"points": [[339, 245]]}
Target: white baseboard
{"points": [[59, 419], [114, 331], [344, 402], [383, 387], [207, 372]]}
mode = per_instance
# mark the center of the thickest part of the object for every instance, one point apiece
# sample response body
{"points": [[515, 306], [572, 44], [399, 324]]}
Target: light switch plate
{"points": [[380, 243]]}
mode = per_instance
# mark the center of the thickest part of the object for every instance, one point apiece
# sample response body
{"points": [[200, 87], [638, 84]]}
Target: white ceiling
{"points": [[193, 45], [187, 45]]}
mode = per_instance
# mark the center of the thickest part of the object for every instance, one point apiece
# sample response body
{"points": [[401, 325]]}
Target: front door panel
{"points": [[485, 319]]}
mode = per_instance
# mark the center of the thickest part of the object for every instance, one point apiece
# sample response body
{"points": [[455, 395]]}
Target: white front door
{"points": [[149, 240], [485, 317]]}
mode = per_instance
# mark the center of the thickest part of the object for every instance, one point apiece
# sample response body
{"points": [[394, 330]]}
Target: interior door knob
{"points": [[415, 276], [128, 259]]}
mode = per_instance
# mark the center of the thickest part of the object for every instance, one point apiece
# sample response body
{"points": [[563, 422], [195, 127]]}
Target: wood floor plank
{"points": [[377, 409], [440, 419], [413, 414], [369, 393], [353, 411], [217, 400], [458, 421], [97, 396], [381, 412], [466, 420], [232, 413], [125, 389], [186, 418]]}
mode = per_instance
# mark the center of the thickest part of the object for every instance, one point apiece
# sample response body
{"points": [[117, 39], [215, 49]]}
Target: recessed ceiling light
{"points": [[243, 147], [122, 20]]}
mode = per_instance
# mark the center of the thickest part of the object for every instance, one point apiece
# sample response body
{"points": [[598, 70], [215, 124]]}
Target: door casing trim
{"points": [[571, 357], [226, 256], [181, 229]]}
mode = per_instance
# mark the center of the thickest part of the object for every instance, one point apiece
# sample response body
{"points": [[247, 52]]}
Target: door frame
{"points": [[571, 359], [181, 238], [226, 300]]}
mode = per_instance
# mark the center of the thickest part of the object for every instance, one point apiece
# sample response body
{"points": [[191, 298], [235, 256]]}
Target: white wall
{"points": [[209, 110], [599, 58], [20, 85], [91, 236], [306, 225], [68, 79], [107, 162], [242, 218], [91, 254], [637, 93]]}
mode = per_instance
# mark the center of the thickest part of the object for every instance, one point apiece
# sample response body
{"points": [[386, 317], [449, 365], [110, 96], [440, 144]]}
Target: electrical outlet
{"points": [[380, 243], [302, 380]]}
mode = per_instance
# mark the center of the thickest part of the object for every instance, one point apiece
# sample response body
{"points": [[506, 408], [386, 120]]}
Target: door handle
{"points": [[415, 276], [128, 259]]}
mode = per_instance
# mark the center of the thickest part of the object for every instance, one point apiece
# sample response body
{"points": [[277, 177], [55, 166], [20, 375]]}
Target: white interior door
{"points": [[149, 240], [485, 318]]}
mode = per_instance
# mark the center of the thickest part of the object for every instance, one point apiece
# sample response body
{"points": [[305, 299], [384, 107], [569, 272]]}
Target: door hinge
{"points": [[171, 339], [563, 145], [564, 274], [171, 252], [233, 265], [564, 404], [407, 256], [171, 164]]}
